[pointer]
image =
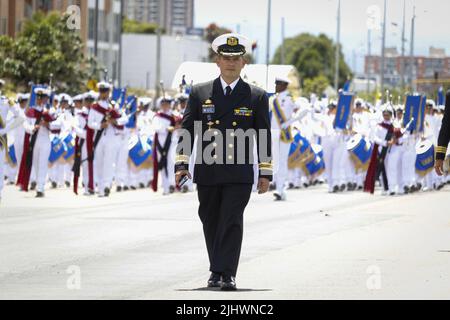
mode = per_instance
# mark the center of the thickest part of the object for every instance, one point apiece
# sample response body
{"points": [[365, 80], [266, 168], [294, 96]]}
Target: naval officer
{"points": [[228, 115]]}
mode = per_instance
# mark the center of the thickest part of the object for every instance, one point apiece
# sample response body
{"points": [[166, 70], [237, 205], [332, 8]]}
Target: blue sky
{"points": [[319, 16]]}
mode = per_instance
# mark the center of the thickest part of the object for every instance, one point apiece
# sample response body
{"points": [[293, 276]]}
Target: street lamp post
{"points": [[383, 48], [338, 40], [269, 2], [411, 55]]}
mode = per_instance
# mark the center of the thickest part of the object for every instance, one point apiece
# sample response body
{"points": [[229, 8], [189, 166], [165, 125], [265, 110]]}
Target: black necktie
{"points": [[228, 88]]}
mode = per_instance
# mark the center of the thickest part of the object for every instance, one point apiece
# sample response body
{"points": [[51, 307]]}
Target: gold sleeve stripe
{"points": [[181, 158], [441, 149]]}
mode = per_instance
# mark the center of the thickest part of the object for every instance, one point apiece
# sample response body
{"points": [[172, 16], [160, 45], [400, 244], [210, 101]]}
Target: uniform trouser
{"points": [[348, 172], [61, 172], [2, 169], [85, 167], [12, 173], [168, 179], [393, 168], [123, 173], [41, 152], [104, 162], [338, 173], [221, 211], [407, 159], [328, 152], [280, 151]]}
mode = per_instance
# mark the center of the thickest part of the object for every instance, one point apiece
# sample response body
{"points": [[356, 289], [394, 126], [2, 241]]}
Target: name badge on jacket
{"points": [[208, 107]]}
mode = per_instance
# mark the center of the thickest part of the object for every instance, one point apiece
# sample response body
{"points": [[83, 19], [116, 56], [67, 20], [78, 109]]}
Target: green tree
{"points": [[46, 45], [313, 56], [133, 26], [315, 85]]}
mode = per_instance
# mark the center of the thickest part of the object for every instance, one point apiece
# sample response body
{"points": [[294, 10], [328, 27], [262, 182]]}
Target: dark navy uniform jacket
{"points": [[444, 134], [220, 119]]}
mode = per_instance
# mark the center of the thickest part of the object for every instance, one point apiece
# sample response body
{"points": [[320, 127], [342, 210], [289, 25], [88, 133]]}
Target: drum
{"points": [[424, 157], [58, 149], [360, 151], [300, 148], [139, 151], [314, 166], [69, 142]]}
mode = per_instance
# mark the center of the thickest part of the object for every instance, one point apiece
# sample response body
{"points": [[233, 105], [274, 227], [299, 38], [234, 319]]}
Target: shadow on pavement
{"points": [[218, 290]]}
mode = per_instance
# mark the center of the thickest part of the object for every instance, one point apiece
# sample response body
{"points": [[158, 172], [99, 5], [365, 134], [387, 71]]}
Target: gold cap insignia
{"points": [[232, 41]]}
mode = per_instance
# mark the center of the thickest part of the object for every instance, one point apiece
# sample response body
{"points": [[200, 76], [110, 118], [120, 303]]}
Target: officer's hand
{"points": [[105, 125], [180, 174], [263, 185], [439, 167], [170, 128], [36, 127]]}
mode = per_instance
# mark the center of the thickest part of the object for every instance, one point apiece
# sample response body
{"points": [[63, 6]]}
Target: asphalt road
{"points": [[141, 245]]}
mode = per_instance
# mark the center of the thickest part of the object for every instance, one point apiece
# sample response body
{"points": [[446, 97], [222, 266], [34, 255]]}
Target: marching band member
{"points": [[380, 163], [282, 108], [17, 135], [6, 125], [81, 152], [105, 124], [164, 146], [38, 125]]}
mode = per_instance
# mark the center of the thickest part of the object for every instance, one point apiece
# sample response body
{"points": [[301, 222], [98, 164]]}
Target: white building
{"points": [[139, 58]]}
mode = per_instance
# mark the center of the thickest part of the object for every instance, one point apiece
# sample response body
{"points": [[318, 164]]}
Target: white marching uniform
{"points": [[6, 125], [80, 124], [161, 126], [41, 151], [16, 137], [391, 160], [280, 149], [61, 172], [105, 153]]}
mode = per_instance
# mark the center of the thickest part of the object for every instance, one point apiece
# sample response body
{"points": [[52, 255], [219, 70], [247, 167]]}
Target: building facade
{"points": [[426, 71], [175, 16]]}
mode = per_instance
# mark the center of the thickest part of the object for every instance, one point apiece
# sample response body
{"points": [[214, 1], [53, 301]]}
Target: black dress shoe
{"points": [[39, 194], [335, 189], [33, 185], [107, 191], [342, 188], [133, 188], [215, 280], [126, 188], [67, 184], [119, 189], [54, 185], [228, 283], [141, 185]]}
